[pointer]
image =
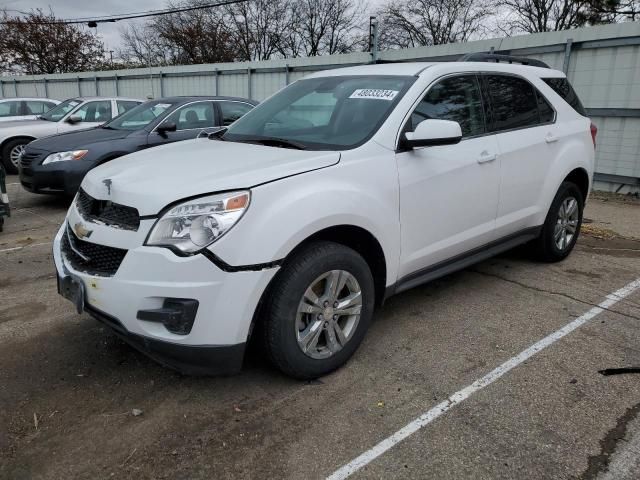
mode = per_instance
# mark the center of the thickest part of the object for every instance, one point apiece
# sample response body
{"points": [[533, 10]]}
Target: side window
{"points": [[125, 105], [513, 101], [454, 98], [232, 111], [35, 107], [193, 116], [546, 112], [9, 109], [99, 111]]}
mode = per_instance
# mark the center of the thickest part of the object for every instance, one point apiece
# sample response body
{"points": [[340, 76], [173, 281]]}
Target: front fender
{"points": [[284, 213]]}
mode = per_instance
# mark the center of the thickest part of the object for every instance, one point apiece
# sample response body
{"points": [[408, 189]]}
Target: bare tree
{"points": [[610, 11], [258, 27], [533, 16], [196, 36], [39, 43], [412, 23], [325, 27], [551, 15]]}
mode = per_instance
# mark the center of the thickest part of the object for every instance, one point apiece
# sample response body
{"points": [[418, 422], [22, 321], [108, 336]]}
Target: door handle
{"points": [[485, 157], [550, 138]]}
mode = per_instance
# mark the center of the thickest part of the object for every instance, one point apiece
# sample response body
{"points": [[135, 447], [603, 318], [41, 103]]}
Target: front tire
{"points": [[318, 310], [562, 225], [11, 154]]}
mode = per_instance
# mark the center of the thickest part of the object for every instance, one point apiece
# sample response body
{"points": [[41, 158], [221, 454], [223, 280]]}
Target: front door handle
{"points": [[550, 138], [486, 157]]}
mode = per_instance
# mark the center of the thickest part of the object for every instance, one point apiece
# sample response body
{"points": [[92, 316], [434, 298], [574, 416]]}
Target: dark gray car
{"points": [[57, 164]]}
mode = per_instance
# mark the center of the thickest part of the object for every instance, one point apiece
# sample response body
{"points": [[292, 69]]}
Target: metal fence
{"points": [[603, 64]]}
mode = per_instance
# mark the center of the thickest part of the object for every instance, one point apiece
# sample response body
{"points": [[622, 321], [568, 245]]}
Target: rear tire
{"points": [[10, 152], [318, 310], [562, 225]]}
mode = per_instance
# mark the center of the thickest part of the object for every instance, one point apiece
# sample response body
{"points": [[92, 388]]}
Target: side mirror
{"points": [[430, 133], [165, 127], [73, 119]]}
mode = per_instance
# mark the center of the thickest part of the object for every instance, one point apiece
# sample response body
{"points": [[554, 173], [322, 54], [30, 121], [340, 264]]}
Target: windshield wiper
{"points": [[107, 127], [274, 142]]}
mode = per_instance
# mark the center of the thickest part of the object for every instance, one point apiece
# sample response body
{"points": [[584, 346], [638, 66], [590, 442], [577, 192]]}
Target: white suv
{"points": [[340, 190]]}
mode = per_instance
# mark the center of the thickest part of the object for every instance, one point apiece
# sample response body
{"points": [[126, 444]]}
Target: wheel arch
{"points": [[352, 236], [15, 137], [580, 178]]}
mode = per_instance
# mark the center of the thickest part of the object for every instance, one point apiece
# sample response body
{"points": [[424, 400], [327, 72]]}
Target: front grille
{"points": [[107, 212], [27, 159], [89, 257]]}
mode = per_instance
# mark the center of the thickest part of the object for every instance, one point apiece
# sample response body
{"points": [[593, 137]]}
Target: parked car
{"points": [[73, 114], [340, 190], [57, 164], [24, 108]]}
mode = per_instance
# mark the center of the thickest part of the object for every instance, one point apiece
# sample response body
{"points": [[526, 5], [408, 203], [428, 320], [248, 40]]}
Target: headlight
{"points": [[196, 224], [64, 156]]}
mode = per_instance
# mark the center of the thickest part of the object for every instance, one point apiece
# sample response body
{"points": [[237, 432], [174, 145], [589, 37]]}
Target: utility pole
{"points": [[111, 58], [153, 93], [373, 38]]}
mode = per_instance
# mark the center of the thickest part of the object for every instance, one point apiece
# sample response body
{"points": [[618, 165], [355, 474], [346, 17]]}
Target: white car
{"points": [[70, 115], [24, 108], [340, 190]]}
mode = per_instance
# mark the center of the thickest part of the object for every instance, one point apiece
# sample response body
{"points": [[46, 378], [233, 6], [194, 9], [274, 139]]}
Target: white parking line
{"points": [[13, 249], [426, 418]]}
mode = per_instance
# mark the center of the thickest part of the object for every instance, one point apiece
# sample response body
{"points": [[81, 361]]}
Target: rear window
{"points": [[563, 88]]}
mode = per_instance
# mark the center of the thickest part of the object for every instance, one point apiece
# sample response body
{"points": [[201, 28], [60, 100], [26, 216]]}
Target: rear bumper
{"points": [[63, 178], [186, 359]]}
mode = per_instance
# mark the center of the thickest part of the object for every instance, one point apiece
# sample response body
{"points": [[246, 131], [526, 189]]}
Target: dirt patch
{"points": [[615, 197], [598, 232], [614, 247], [25, 311]]}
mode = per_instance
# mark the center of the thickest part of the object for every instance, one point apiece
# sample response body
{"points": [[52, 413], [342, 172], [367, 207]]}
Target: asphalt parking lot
{"points": [[68, 387]]}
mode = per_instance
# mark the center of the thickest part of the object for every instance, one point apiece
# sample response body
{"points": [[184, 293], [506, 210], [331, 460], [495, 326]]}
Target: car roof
{"points": [[425, 68], [195, 98], [27, 99], [84, 99]]}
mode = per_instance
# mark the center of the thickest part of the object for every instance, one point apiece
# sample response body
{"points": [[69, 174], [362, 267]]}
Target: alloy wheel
{"points": [[328, 314], [566, 223], [16, 154]]}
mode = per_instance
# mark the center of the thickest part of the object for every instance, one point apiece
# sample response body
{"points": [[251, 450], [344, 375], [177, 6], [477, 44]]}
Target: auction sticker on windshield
{"points": [[375, 93]]}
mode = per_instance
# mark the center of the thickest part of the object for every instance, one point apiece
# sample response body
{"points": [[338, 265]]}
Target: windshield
{"points": [[60, 110], [140, 116], [330, 113]]}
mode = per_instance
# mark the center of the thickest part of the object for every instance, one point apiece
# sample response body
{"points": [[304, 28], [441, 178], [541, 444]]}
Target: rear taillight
{"points": [[594, 132]]}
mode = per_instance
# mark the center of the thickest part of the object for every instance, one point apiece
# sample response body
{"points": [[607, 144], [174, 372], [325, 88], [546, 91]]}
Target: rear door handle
{"points": [[486, 157], [550, 138]]}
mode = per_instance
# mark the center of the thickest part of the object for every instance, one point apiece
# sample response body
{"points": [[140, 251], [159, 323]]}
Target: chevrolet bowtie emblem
{"points": [[81, 231], [107, 183]]}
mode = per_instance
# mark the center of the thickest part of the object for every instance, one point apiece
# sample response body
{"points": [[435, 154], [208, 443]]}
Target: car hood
{"points": [[152, 179], [33, 128], [78, 139]]}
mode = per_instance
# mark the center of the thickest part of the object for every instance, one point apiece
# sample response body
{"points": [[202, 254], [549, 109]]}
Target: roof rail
{"points": [[495, 57]]}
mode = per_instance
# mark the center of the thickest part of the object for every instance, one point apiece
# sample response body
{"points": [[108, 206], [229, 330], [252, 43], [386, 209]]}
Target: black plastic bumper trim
{"points": [[186, 359], [224, 266], [177, 314]]}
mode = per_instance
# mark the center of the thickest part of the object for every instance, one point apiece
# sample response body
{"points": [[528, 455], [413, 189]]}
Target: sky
{"points": [[109, 32]]}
